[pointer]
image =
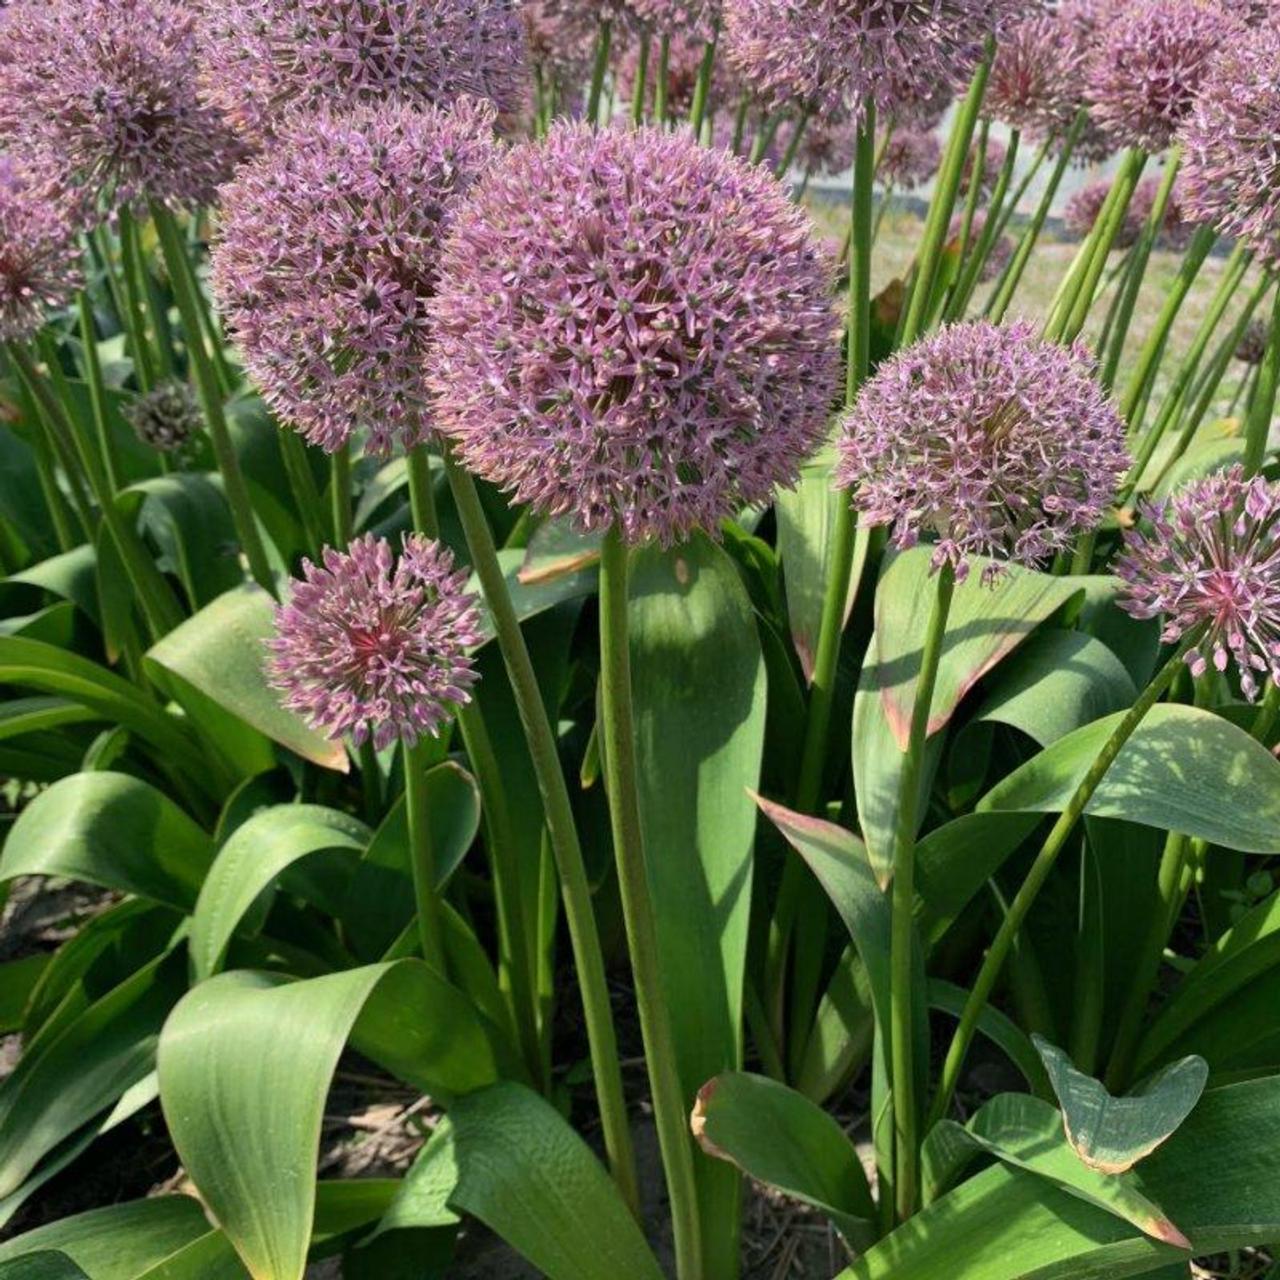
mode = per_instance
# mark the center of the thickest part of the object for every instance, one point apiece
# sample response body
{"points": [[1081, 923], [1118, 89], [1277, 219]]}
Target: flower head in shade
{"points": [[374, 646], [833, 53], [693, 20], [1034, 84], [39, 253], [633, 330], [826, 145], [986, 437], [260, 56], [167, 417], [1001, 249], [327, 255], [1252, 347], [102, 96], [1211, 557], [909, 158], [1231, 169], [561, 37], [1150, 65], [918, 100]]}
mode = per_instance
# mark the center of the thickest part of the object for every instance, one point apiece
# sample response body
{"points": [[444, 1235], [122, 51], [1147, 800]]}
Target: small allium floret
{"points": [[633, 330], [1211, 558], [374, 646], [167, 417], [327, 255], [987, 438]]}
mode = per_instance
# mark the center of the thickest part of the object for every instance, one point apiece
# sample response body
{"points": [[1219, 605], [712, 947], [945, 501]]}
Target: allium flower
{"points": [[909, 159], [166, 417], [1001, 247], [833, 53], [1252, 347], [262, 55], [1150, 66], [1231, 169], [1212, 557], [326, 257], [561, 37], [634, 330], [1084, 205], [39, 254], [994, 441], [102, 96], [1034, 83], [372, 646], [918, 100], [690, 19]]}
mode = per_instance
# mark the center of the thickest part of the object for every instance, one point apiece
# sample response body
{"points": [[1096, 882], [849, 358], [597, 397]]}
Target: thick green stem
{"points": [[1258, 429], [793, 143], [1003, 293], [763, 139], [702, 88], [575, 887], [422, 858], [340, 495], [641, 85], [994, 960], [669, 1108], [943, 202], [660, 84], [130, 267], [902, 992], [604, 40], [306, 493], [975, 261], [97, 394], [1010, 206], [183, 281]]}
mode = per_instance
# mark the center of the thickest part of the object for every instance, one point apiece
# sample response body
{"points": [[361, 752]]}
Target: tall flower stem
{"points": [[182, 279], [902, 993], [306, 493], [159, 605], [768, 130], [973, 263], [1263, 406], [1009, 207], [131, 269], [621, 776], [641, 86], [943, 202], [994, 960], [422, 857], [839, 569], [702, 87], [97, 393], [660, 83], [574, 885], [1003, 293], [604, 40], [340, 495], [793, 143]]}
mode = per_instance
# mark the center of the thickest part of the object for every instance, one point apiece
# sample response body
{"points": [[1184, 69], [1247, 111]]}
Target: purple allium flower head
{"points": [[694, 20], [262, 55], [918, 101], [1231, 170], [1212, 557], [827, 144], [1252, 347], [369, 645], [833, 53], [39, 254], [995, 441], [909, 158], [562, 37], [1034, 84], [102, 96], [1001, 247], [1150, 66], [633, 330], [327, 255]]}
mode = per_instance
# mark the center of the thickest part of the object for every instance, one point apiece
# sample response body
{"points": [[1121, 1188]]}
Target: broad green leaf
{"points": [[999, 1028], [527, 1176], [29, 715], [18, 979], [422, 1199], [698, 681], [245, 1064], [531, 596], [211, 1257], [1184, 769], [1027, 1132], [214, 661], [72, 1072], [1216, 1178], [46, 1265], [1113, 1134], [113, 830], [557, 549], [777, 1136], [252, 860], [120, 1242]]}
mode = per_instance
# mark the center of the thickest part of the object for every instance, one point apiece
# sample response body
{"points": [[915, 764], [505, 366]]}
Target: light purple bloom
{"points": [[1212, 557], [1231, 171], [39, 254], [833, 53], [1035, 78], [909, 158], [987, 438], [260, 56], [102, 96], [1151, 64], [694, 20], [327, 255], [374, 646], [827, 144], [633, 330]]}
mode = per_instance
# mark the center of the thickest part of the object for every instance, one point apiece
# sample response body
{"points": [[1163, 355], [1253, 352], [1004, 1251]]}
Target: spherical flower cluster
{"points": [[1150, 66], [1034, 83], [373, 646], [918, 100], [909, 158], [260, 56], [684, 62], [689, 19], [833, 53], [633, 330], [39, 254], [102, 96], [997, 256], [166, 418], [1212, 559], [1231, 170], [992, 440], [561, 36], [1252, 347], [326, 257]]}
